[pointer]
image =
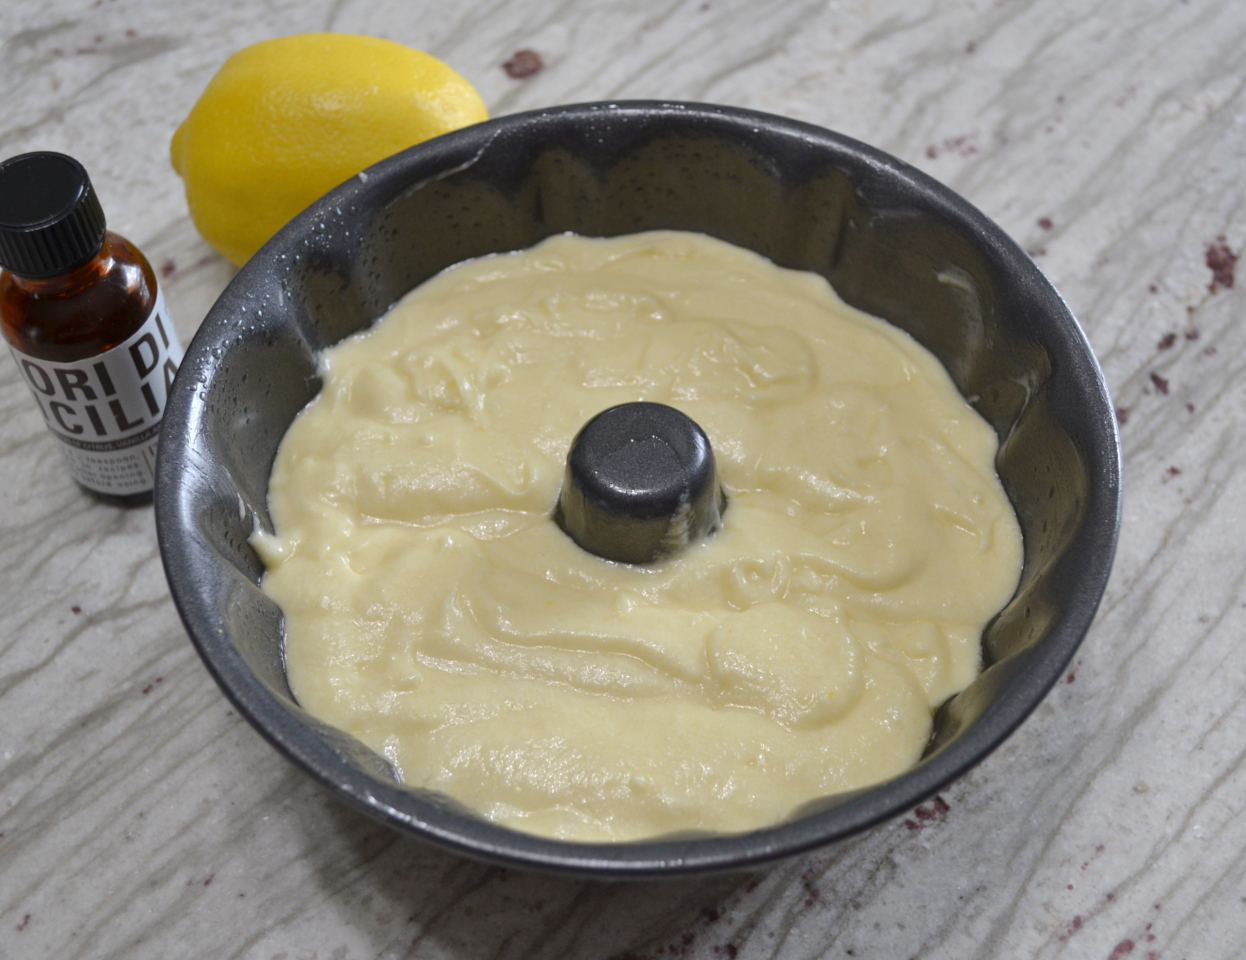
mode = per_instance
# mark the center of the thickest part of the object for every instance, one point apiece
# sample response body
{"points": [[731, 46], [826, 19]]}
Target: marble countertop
{"points": [[141, 818]]}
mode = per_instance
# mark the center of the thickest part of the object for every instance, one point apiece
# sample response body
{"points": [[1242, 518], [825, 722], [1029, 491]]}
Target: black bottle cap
{"points": [[640, 484], [50, 217]]}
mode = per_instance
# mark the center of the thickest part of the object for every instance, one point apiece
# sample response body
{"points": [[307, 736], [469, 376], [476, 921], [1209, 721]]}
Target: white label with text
{"points": [[106, 410]]}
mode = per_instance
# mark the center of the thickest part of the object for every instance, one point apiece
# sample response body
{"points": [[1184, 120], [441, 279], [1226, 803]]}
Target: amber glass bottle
{"points": [[86, 322]]}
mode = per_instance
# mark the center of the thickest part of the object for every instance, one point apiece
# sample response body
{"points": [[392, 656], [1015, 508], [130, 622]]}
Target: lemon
{"points": [[286, 120]]}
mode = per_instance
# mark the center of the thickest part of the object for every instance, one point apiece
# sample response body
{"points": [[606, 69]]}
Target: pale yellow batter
{"points": [[434, 610]]}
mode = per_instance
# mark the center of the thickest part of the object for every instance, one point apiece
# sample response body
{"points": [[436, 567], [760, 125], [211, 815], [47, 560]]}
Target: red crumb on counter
{"points": [[929, 813], [965, 145], [1074, 925], [524, 63], [1221, 262], [1160, 383]]}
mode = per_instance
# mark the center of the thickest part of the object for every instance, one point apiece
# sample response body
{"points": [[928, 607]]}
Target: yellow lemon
{"points": [[286, 120]]}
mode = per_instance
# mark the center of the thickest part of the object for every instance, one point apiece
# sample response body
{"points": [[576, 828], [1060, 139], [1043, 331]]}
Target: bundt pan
{"points": [[891, 240]]}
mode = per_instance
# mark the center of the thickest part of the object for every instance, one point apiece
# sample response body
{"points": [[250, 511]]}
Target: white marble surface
{"points": [[140, 818]]}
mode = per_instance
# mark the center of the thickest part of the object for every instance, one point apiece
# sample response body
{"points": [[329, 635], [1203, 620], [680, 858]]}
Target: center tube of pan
{"points": [[640, 484]]}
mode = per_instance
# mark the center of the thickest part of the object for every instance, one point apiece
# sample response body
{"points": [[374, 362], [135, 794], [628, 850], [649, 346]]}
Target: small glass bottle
{"points": [[86, 322]]}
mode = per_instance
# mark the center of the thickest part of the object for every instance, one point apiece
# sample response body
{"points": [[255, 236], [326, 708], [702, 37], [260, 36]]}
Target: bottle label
{"points": [[106, 410]]}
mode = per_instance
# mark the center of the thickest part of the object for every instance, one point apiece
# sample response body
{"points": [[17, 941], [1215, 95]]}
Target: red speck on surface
{"points": [[1122, 415], [167, 268], [1220, 261], [1122, 948], [1209, 351], [1172, 472], [965, 145], [1160, 383], [929, 813], [24, 924], [1189, 408], [1069, 679], [730, 950], [1045, 223], [1157, 906], [524, 63], [971, 46], [208, 882], [1150, 937], [1153, 288], [1037, 252], [76, 609], [1077, 923], [1111, 897], [131, 32], [1166, 341], [1191, 334], [1085, 864], [151, 686]]}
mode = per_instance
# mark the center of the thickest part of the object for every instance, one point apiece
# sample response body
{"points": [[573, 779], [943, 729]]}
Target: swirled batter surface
{"points": [[435, 611]]}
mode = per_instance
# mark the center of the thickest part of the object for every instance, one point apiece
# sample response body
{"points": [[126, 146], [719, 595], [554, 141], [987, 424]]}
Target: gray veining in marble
{"points": [[140, 818]]}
